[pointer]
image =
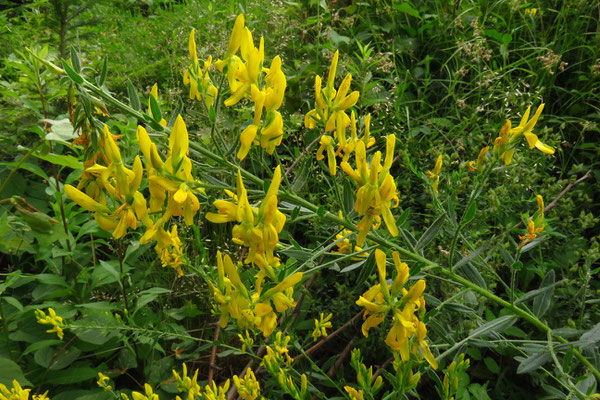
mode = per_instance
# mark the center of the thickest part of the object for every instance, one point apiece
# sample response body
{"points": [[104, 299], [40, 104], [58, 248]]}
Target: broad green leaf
{"points": [[74, 374], [407, 8], [9, 371], [57, 159], [543, 301], [75, 60]]}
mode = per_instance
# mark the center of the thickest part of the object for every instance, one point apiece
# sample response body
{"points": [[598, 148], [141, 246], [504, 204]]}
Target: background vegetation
{"points": [[441, 75]]}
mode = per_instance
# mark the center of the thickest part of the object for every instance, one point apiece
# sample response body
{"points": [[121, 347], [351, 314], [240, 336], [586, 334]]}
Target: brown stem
{"points": [[331, 335], [342, 358], [562, 193], [304, 152], [213, 356], [382, 367]]}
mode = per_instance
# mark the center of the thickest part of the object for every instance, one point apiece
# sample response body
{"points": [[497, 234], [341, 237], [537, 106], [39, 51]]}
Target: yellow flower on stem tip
{"points": [[534, 225], [248, 387], [480, 159], [376, 188], [199, 82], [382, 298], [321, 326], [147, 395], [215, 392], [16, 392], [505, 144], [331, 104], [176, 175], [51, 319], [326, 144], [435, 175], [103, 381], [187, 384], [354, 394]]}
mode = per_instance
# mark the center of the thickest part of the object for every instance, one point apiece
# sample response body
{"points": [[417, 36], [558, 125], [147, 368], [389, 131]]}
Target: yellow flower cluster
{"points": [[403, 304], [257, 228], [321, 326], [147, 395], [51, 319], [276, 363], [330, 112], [248, 77], [119, 204], [187, 384], [535, 224], [16, 392], [376, 189], [451, 376], [251, 309], [201, 86], [435, 174], [505, 144], [247, 387], [103, 382], [344, 246]]}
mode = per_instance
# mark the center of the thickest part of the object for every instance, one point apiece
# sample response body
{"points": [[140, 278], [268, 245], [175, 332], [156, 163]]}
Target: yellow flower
{"points": [[435, 175], [187, 384], [376, 188], [403, 303], [535, 224], [15, 393], [321, 326], [200, 83], [176, 174], [103, 382], [154, 93], [216, 392], [326, 143], [248, 387], [331, 104], [51, 319], [147, 395], [505, 144], [480, 159], [354, 394]]}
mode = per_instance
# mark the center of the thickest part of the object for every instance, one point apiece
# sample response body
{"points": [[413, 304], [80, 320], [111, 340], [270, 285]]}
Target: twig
{"points": [[382, 367], [342, 358], [562, 193], [331, 335], [213, 356], [304, 152]]}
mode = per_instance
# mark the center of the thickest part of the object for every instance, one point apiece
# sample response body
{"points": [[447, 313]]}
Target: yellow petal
{"points": [[544, 148], [84, 200]]}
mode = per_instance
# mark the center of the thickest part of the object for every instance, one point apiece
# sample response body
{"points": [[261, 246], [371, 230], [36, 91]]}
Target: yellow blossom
{"points": [[51, 319], [376, 188], [403, 303], [354, 394], [16, 392], [435, 175], [505, 144], [103, 382], [321, 326], [201, 86], [248, 387]]}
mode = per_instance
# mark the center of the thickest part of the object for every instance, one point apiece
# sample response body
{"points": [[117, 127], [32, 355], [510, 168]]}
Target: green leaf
{"points": [[73, 375], [110, 270], [431, 232], [9, 371], [134, 99], [367, 269], [403, 217], [75, 77], [473, 275], [103, 73], [41, 345], [348, 196], [56, 159], [532, 363], [155, 109], [56, 358], [543, 301], [60, 131], [495, 326], [469, 214], [492, 365], [407, 8], [75, 60]]}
